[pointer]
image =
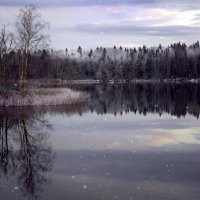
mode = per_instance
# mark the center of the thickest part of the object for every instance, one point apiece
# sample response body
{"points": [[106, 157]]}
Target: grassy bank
{"points": [[43, 97]]}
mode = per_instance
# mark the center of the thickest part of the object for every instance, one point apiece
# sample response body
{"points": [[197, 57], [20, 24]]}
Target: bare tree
{"points": [[30, 35], [6, 46]]}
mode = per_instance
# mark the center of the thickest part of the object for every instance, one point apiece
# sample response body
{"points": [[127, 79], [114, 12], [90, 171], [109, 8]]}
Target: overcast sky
{"points": [[92, 23]]}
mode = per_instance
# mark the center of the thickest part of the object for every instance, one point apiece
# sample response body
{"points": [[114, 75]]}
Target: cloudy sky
{"points": [[92, 23]]}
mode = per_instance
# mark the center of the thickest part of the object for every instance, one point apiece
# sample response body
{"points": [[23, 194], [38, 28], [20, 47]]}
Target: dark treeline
{"points": [[105, 64]]}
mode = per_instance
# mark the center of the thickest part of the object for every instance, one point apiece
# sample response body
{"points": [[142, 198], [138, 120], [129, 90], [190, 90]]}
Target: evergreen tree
{"points": [[80, 51]]}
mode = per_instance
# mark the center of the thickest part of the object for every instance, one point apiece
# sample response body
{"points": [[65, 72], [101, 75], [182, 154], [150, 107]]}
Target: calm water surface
{"points": [[131, 142]]}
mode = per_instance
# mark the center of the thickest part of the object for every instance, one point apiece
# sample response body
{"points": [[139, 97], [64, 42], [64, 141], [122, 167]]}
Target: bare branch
{"points": [[30, 34]]}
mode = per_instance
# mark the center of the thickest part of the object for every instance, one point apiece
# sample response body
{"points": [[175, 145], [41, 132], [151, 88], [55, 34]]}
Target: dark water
{"points": [[138, 142]]}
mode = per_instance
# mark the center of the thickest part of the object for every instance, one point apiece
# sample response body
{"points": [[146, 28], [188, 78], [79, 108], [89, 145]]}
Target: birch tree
{"points": [[30, 36]]}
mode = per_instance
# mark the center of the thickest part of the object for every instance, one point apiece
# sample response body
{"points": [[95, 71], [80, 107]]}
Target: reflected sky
{"points": [[132, 132], [125, 157]]}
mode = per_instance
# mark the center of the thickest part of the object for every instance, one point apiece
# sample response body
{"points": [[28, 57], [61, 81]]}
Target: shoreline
{"points": [[90, 81], [59, 83]]}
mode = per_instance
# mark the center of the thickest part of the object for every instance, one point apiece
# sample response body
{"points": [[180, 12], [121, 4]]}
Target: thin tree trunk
{"points": [[21, 69], [25, 67]]}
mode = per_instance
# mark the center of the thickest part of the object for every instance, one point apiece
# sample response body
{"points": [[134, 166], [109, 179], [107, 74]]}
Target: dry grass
{"points": [[44, 97]]}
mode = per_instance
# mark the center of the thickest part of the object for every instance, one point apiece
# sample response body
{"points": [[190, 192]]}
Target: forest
{"points": [[177, 61]]}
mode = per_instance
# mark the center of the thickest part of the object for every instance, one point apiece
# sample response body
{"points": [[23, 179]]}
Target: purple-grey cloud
{"points": [[173, 4], [75, 2], [107, 22], [118, 29], [196, 17]]}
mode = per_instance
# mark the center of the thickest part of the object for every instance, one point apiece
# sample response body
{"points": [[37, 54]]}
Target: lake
{"points": [[136, 141]]}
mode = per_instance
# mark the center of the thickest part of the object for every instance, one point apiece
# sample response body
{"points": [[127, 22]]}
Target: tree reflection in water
{"points": [[143, 98], [24, 148]]}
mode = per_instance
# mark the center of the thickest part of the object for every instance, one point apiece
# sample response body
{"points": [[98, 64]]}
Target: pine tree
{"points": [[90, 53], [80, 51]]}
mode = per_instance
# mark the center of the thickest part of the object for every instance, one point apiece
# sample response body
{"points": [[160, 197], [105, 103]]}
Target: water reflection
{"points": [[24, 149], [175, 99], [131, 142]]}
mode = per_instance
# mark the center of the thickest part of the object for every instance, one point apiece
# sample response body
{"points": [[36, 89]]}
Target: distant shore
{"points": [[58, 82]]}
